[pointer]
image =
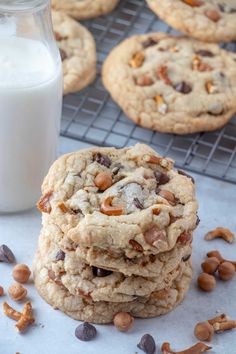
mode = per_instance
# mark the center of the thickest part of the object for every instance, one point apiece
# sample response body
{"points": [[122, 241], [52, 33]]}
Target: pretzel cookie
{"points": [[85, 9], [129, 201], [207, 20], [78, 52], [172, 84]]}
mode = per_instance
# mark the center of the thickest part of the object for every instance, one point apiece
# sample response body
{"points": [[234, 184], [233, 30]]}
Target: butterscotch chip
{"points": [[17, 292], [21, 273]]}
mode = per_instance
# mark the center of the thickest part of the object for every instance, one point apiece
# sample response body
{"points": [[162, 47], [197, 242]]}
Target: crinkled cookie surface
{"points": [[172, 84], [207, 20], [85, 9], [129, 201], [78, 52]]}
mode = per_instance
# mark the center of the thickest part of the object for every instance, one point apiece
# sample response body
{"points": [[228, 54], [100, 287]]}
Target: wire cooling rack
{"points": [[92, 116]]}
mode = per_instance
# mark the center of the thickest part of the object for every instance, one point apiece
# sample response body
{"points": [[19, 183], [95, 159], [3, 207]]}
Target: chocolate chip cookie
{"points": [[145, 266], [85, 9], [78, 52], [82, 307], [127, 200], [207, 20], [100, 284], [172, 84]]}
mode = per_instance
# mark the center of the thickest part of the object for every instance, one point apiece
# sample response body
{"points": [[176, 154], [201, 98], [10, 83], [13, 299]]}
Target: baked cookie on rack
{"points": [[78, 52], [206, 20], [172, 84], [84, 9]]}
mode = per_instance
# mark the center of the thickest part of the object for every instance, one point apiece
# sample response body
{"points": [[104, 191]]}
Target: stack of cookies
{"points": [[116, 235]]}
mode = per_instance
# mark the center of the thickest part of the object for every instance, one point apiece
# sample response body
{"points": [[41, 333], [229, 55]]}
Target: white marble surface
{"points": [[54, 332]]}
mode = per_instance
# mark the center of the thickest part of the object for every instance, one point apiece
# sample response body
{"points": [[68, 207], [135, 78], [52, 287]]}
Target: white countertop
{"points": [[54, 332]]}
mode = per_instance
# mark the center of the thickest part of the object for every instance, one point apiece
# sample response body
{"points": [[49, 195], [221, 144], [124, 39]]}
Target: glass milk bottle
{"points": [[30, 100]]}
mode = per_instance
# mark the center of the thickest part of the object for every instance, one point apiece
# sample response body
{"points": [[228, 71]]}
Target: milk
{"points": [[30, 110]]}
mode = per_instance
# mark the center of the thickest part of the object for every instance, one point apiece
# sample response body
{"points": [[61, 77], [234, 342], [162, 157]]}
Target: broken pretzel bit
{"points": [[220, 232], [196, 349], [161, 105], [108, 209], [44, 203], [224, 326], [137, 60], [210, 87], [221, 318], [198, 65], [10, 312], [162, 73], [24, 319], [153, 159]]}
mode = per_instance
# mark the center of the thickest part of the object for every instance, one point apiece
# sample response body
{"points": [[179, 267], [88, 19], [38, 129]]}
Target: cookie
{"points": [[85, 9], [99, 284], [82, 308], [145, 266], [206, 20], [127, 200], [172, 84], [78, 52]]}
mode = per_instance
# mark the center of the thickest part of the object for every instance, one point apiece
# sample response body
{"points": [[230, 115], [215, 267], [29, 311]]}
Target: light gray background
{"points": [[54, 332]]}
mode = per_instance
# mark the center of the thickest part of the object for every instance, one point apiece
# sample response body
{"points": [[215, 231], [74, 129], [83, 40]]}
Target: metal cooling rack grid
{"points": [[93, 117]]}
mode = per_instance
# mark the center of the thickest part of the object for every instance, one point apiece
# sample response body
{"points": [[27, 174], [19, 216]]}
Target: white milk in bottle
{"points": [[30, 110]]}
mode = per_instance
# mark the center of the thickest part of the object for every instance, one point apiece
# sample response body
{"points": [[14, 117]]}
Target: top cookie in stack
{"points": [[121, 200]]}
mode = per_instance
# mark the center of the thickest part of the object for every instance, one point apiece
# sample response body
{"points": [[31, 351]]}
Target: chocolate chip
{"points": [[60, 256], [102, 159], [6, 255], [99, 272], [205, 53], [138, 204], [147, 344], [62, 54], [186, 258], [149, 42], [85, 332], [183, 173], [184, 88], [198, 221], [161, 178]]}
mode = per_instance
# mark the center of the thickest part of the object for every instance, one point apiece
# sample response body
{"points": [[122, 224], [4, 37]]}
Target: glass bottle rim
{"points": [[22, 5]]}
